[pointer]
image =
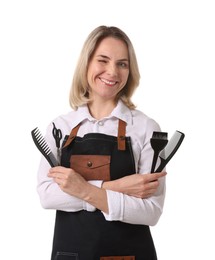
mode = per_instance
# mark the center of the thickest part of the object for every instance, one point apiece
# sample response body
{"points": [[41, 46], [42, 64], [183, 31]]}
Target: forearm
{"points": [[92, 197], [95, 196], [136, 185], [74, 185], [133, 209], [52, 197]]}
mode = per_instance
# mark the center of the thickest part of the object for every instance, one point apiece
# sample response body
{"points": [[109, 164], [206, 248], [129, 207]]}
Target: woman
{"points": [[104, 195]]}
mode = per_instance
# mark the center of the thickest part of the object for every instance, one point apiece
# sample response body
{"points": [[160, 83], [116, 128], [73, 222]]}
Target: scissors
{"points": [[57, 134]]}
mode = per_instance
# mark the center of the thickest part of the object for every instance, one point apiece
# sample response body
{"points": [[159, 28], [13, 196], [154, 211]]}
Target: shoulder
{"points": [[65, 122], [142, 121], [140, 129], [134, 117]]}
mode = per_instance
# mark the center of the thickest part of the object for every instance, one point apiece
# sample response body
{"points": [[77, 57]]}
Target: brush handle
{"points": [[154, 161], [163, 163]]}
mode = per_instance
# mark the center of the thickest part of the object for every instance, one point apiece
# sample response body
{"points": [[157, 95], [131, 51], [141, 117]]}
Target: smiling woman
{"points": [[103, 193], [79, 94]]}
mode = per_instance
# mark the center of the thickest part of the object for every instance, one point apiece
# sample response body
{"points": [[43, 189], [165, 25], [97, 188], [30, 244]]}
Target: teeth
{"points": [[108, 82]]}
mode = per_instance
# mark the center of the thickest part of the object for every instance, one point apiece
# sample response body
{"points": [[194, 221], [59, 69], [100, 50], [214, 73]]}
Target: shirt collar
{"points": [[81, 114], [121, 111]]}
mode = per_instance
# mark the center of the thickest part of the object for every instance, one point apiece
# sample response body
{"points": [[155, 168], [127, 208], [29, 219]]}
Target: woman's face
{"points": [[108, 69]]}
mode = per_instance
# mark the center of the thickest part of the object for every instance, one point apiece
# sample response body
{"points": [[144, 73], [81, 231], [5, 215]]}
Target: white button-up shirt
{"points": [[122, 207]]}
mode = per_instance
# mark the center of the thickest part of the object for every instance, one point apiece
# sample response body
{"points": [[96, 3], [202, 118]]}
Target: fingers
{"points": [[150, 184], [59, 174], [150, 188], [148, 178], [57, 169], [157, 175]]}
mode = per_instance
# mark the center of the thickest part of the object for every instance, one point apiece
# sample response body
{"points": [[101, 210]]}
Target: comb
{"points": [[170, 150], [43, 147]]}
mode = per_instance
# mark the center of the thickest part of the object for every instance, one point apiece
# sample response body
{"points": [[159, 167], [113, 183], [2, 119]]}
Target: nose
{"points": [[112, 70]]}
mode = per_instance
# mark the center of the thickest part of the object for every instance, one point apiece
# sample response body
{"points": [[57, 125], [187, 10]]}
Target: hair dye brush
{"points": [[171, 148], [158, 142], [43, 147]]}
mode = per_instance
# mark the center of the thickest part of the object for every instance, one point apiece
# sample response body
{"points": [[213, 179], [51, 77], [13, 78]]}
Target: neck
{"points": [[102, 109]]}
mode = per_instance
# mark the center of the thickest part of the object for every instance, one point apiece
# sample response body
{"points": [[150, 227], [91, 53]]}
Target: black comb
{"points": [[43, 147], [158, 142]]}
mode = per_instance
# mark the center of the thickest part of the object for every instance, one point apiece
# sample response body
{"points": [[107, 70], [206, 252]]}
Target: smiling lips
{"points": [[107, 82]]}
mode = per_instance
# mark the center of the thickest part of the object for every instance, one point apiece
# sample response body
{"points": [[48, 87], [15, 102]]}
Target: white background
{"points": [[40, 42]]}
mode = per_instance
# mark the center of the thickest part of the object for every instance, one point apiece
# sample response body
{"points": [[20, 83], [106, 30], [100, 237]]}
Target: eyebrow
{"points": [[106, 57]]}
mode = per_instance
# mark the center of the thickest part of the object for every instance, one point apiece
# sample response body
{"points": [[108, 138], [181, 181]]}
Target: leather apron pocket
{"points": [[66, 256], [91, 167]]}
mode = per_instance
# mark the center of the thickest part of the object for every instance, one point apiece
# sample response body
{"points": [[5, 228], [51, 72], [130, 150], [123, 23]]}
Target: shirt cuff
{"points": [[115, 206]]}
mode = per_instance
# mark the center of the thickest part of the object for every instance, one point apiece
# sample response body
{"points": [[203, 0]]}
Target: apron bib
{"points": [[87, 235]]}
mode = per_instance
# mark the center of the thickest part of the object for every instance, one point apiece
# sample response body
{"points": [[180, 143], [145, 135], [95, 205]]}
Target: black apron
{"points": [[87, 235]]}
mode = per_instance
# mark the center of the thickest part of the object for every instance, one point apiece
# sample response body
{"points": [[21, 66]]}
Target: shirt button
{"points": [[100, 123]]}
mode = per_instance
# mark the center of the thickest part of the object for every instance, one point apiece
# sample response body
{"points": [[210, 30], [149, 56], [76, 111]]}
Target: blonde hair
{"points": [[79, 94]]}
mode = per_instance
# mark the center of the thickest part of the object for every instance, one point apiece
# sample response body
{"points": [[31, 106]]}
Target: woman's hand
{"points": [[137, 185], [69, 181]]}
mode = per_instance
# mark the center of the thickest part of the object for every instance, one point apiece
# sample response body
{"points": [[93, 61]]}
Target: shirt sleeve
{"points": [[136, 210]]}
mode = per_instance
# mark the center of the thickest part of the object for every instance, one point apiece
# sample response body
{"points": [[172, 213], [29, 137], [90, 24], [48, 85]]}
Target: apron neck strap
{"points": [[120, 137], [72, 135]]}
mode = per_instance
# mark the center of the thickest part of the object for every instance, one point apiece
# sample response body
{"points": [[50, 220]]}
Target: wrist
{"points": [[111, 185]]}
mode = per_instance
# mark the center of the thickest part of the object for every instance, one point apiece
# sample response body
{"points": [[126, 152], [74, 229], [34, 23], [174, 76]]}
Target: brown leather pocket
{"points": [[117, 258], [91, 167]]}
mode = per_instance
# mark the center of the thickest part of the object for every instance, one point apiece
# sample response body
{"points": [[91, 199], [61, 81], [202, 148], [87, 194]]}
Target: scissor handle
{"points": [[57, 134]]}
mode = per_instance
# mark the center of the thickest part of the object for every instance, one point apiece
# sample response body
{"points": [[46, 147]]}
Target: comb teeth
{"points": [[172, 147], [41, 141], [43, 147]]}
